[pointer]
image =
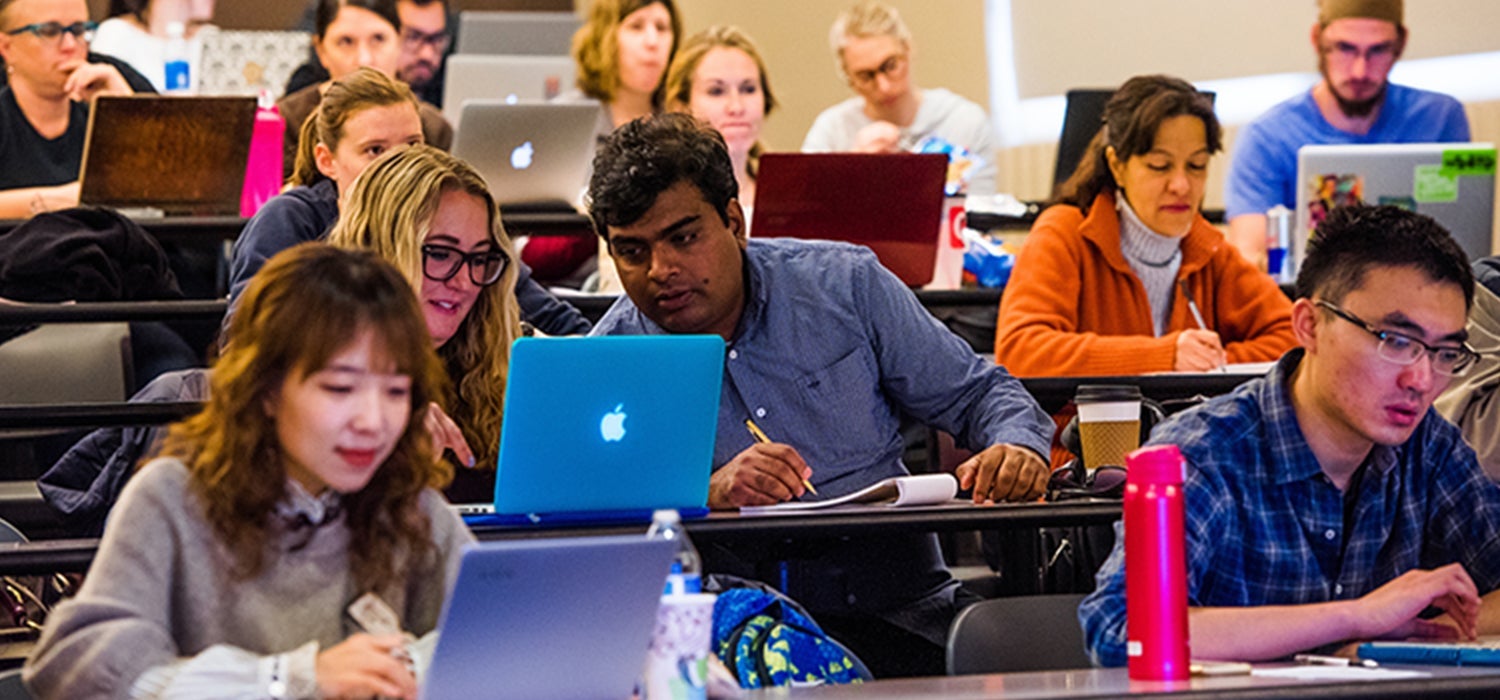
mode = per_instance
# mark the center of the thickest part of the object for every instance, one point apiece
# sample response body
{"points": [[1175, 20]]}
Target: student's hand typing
{"points": [[1199, 351], [763, 474], [878, 137], [364, 666], [446, 435], [1004, 473], [90, 79], [1390, 611]]}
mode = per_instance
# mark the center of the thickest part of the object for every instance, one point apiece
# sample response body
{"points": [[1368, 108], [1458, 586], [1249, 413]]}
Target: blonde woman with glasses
{"points": [[433, 217], [874, 51]]}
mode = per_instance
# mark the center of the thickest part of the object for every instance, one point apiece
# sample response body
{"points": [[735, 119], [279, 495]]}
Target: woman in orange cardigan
{"points": [[1106, 282]]}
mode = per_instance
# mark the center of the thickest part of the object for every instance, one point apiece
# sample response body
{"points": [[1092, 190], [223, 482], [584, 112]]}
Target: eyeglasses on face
{"points": [[892, 68], [413, 39], [1346, 53], [441, 262], [53, 31], [1403, 349]]}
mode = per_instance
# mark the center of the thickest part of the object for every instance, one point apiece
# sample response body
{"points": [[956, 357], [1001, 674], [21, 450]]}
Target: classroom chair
{"points": [[1023, 633]]}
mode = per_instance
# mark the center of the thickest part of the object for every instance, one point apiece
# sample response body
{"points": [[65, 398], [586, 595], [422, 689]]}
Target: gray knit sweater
{"points": [[159, 595]]}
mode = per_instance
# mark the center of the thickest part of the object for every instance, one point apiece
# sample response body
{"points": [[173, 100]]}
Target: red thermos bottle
{"points": [[1156, 619]]}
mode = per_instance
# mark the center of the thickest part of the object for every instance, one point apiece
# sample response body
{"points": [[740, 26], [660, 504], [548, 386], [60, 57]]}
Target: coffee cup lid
{"points": [[1104, 393]]}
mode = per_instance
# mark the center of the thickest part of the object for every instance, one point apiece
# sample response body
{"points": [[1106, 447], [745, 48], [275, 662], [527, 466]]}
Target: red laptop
{"points": [[891, 203]]}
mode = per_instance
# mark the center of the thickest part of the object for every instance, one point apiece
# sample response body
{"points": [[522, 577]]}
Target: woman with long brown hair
{"points": [[306, 483]]}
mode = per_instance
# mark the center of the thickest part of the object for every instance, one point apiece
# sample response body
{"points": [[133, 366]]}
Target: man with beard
{"points": [[1358, 41], [425, 39]]}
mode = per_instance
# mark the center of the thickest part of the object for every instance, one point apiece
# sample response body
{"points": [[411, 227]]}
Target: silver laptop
{"points": [[508, 78], [533, 33], [529, 153], [246, 62], [549, 618], [1454, 183]]}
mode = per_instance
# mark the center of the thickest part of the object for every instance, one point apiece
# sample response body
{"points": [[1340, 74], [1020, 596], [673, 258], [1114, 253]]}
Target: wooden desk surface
{"points": [[1444, 681]]}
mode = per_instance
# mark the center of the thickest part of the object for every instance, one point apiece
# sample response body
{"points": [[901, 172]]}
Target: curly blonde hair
{"points": [[389, 210], [596, 47], [298, 312]]}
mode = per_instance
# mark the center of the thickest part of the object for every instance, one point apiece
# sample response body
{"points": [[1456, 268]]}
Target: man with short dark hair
{"points": [[1358, 42], [827, 350], [425, 39], [1327, 502]]}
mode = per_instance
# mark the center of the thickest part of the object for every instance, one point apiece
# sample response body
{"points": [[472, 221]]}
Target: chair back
{"points": [[67, 363], [1024, 633], [11, 687]]}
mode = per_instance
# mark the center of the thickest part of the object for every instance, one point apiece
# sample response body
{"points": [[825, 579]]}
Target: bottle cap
{"points": [[176, 30], [665, 515], [1157, 464]]}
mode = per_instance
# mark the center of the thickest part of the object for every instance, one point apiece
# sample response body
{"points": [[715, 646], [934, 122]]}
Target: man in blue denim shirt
{"points": [[1327, 502], [826, 351]]}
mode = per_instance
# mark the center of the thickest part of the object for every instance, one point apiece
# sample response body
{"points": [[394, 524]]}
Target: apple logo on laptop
{"points": [[520, 159], [612, 427]]}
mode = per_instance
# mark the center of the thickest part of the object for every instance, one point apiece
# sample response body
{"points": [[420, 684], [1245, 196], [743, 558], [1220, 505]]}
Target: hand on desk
{"points": [[446, 435], [1199, 351], [364, 666], [765, 473], [1004, 473], [1390, 611]]}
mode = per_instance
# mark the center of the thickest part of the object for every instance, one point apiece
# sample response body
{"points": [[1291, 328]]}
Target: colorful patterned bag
{"points": [[767, 640]]}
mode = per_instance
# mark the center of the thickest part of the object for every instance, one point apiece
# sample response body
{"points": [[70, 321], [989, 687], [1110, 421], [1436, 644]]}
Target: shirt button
{"points": [[734, 354], [1338, 589], [760, 413], [1330, 534]]}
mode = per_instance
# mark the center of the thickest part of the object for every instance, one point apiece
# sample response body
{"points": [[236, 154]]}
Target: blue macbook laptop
{"points": [[549, 618], [1485, 652], [608, 428]]}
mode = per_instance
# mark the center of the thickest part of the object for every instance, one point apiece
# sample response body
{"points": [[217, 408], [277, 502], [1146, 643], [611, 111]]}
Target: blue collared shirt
{"points": [[1265, 526], [831, 350]]}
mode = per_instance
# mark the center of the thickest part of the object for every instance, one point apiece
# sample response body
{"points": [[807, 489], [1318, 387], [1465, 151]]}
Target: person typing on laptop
{"points": [[1327, 501], [1358, 43], [44, 109], [290, 532], [827, 350]]}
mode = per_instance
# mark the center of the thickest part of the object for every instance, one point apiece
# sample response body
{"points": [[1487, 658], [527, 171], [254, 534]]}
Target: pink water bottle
{"points": [[1156, 618], [263, 168]]}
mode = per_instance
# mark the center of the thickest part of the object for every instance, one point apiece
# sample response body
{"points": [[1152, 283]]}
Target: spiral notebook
{"points": [[897, 491]]}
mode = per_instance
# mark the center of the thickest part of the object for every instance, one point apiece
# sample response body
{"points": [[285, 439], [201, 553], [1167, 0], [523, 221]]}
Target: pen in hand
{"points": [[1197, 314], [760, 437]]}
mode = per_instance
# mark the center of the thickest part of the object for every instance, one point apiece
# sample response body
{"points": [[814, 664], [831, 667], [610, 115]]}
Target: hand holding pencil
{"points": [[761, 438], [763, 474]]}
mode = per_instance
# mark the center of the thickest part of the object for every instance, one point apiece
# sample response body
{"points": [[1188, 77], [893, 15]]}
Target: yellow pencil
{"points": [[760, 437]]}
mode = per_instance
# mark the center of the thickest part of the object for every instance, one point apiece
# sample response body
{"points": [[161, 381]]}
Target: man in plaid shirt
{"points": [[1327, 502]]}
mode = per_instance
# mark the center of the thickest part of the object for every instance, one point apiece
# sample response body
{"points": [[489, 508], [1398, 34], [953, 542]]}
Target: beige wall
{"points": [[793, 38]]}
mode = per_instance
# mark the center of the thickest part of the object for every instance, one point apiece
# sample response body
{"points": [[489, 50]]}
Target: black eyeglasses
{"points": [[414, 39], [1072, 481], [53, 31], [1404, 350], [892, 68], [441, 262]]}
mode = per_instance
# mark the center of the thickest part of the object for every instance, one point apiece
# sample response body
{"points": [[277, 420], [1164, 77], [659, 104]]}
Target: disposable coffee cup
{"points": [[1109, 423], [677, 663]]}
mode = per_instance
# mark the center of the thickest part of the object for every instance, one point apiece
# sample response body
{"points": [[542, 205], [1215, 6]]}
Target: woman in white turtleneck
{"points": [[138, 32], [1123, 275]]}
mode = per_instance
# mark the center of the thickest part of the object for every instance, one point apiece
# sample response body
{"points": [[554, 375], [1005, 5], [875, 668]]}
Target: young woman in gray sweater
{"points": [[306, 484]]}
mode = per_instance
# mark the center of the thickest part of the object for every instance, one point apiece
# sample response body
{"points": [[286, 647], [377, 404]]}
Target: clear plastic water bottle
{"points": [[1156, 614], [263, 167], [177, 78], [686, 575]]}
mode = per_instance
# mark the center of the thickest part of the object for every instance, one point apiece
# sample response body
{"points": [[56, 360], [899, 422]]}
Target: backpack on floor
{"points": [[767, 640]]}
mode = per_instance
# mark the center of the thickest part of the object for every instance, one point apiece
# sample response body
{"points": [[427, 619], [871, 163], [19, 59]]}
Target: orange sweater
{"points": [[1073, 307]]}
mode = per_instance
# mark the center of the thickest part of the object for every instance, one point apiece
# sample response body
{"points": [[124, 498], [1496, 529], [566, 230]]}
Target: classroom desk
{"points": [[1445, 682], [1053, 393], [198, 229], [74, 555], [986, 300], [206, 310]]}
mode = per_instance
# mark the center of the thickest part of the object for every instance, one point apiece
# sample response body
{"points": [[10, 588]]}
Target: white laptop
{"points": [[549, 618], [1454, 183], [529, 153], [535, 33], [508, 78], [246, 62]]}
